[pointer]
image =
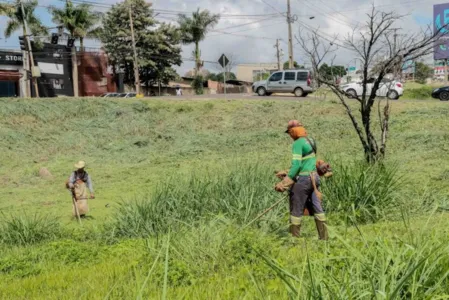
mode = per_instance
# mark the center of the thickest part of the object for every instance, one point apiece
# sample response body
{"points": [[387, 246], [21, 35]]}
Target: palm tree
{"points": [[5, 8], [194, 30], [80, 21], [16, 18]]}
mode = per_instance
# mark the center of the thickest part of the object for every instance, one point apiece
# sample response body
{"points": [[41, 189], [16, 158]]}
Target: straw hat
{"points": [[80, 165]]}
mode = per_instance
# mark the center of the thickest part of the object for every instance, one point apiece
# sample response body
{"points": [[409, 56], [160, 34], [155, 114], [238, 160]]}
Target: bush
{"points": [[26, 230], [198, 85], [424, 92], [361, 190]]}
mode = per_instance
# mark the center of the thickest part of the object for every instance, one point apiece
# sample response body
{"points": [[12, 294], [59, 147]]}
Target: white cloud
{"points": [[251, 48]]}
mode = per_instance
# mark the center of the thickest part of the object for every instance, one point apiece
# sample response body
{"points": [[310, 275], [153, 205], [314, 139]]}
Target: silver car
{"points": [[297, 82]]}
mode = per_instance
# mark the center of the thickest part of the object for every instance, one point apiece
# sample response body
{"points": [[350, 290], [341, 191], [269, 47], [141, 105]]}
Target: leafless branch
{"points": [[381, 53]]}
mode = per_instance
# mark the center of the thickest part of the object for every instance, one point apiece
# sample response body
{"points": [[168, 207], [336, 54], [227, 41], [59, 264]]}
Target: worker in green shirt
{"points": [[303, 182]]}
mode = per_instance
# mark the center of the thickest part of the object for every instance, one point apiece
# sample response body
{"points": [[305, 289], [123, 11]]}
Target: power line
{"points": [[175, 12], [221, 32], [306, 2], [331, 40], [245, 30], [246, 36], [274, 8], [246, 24]]}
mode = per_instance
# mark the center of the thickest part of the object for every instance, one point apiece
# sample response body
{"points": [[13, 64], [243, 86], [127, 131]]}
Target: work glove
{"points": [[284, 185], [281, 174]]}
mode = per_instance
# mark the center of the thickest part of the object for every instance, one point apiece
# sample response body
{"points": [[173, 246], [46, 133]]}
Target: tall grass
{"points": [[370, 267], [242, 191], [25, 229], [362, 191], [239, 193]]}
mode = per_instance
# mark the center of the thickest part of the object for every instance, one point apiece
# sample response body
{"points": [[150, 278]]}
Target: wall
{"points": [[93, 76], [55, 64], [245, 71]]}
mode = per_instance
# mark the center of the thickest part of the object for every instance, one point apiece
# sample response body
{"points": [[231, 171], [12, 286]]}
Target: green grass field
{"points": [[176, 181]]}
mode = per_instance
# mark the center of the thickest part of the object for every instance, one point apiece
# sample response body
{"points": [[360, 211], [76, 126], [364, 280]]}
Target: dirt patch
{"points": [[45, 173]]}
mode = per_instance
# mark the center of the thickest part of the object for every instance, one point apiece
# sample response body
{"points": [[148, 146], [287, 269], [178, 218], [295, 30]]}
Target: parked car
{"points": [[297, 82], [441, 93], [109, 95], [128, 95], [388, 88]]}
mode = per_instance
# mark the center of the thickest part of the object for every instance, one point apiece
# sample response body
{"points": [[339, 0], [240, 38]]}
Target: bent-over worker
{"points": [[303, 182], [78, 183]]}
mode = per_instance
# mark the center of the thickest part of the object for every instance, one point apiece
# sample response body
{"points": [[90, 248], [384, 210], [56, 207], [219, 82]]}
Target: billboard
{"points": [[440, 23]]}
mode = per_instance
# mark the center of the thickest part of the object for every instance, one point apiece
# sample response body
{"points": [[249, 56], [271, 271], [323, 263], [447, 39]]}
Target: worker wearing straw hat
{"points": [[78, 183]]}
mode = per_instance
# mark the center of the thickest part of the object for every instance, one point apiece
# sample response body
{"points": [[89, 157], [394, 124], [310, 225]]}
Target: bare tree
{"points": [[381, 53]]}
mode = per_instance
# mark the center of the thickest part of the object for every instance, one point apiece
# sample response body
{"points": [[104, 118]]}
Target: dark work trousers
{"points": [[302, 195]]}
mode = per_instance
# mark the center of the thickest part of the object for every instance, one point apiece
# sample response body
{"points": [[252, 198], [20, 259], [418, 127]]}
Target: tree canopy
{"points": [[16, 18], [157, 44], [422, 72], [295, 65]]}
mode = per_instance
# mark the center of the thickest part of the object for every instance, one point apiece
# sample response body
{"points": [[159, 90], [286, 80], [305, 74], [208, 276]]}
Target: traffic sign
{"points": [[223, 61]]}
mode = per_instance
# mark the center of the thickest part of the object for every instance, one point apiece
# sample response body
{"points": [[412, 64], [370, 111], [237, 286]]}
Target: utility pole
{"points": [[136, 64], [27, 37], [278, 54], [290, 36], [396, 67]]}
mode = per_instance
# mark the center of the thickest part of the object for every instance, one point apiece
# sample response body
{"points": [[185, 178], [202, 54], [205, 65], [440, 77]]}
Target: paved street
{"points": [[238, 96]]}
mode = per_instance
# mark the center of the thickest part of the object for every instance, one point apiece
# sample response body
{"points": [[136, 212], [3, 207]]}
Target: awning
{"points": [[10, 75]]}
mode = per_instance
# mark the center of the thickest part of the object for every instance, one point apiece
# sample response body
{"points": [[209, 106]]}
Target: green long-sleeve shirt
{"points": [[304, 159]]}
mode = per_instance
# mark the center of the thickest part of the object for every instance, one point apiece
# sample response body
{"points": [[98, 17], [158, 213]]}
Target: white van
{"points": [[297, 82]]}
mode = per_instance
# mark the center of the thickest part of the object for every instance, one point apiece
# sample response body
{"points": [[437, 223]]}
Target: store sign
{"points": [[11, 58], [441, 29]]}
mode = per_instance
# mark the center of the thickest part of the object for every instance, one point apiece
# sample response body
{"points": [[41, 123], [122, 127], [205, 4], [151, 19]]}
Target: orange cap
{"points": [[293, 124]]}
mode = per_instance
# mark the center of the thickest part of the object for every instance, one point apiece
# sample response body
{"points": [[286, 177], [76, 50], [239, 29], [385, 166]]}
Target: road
{"points": [[238, 97], [275, 97]]}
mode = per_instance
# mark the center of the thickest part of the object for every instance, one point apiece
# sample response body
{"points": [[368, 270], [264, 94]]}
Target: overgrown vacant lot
{"points": [[176, 182]]}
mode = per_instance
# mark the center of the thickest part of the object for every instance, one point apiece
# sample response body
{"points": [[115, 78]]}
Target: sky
{"points": [[256, 24]]}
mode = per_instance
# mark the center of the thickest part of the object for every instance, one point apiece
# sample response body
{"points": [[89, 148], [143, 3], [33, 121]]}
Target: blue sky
{"points": [[253, 43]]}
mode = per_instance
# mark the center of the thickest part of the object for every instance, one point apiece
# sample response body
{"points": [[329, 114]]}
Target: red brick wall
{"points": [[93, 76]]}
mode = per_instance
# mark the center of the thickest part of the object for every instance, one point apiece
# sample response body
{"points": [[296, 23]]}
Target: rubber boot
{"points": [[295, 230], [322, 230]]}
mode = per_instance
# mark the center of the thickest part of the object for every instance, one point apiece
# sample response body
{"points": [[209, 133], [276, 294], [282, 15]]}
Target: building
{"points": [[55, 65], [439, 72], [255, 72], [12, 74]]}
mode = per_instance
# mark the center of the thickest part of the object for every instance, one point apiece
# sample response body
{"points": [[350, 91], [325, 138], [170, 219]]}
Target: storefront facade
{"points": [[12, 76]]}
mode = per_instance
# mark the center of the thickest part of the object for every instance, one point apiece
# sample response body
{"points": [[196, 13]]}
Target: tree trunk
{"points": [[81, 44], [197, 58], [75, 72], [372, 151]]}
